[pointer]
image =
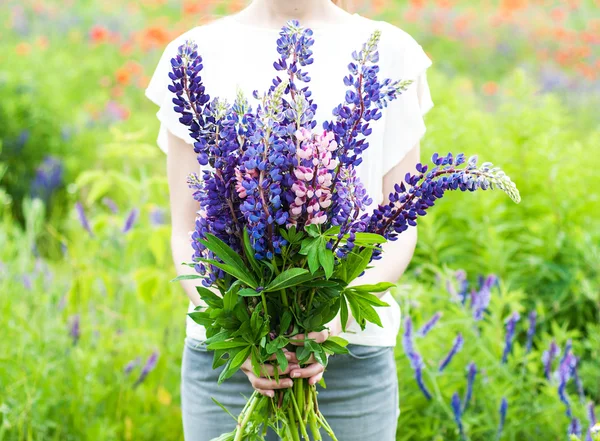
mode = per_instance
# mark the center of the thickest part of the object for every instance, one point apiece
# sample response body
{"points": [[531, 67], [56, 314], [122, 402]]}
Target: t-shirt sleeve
{"points": [[404, 123], [158, 92]]}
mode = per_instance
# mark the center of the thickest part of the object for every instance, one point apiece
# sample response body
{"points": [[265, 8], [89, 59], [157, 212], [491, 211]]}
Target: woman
{"points": [[361, 398]]}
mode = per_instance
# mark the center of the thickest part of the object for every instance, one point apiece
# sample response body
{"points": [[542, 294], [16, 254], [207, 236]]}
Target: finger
{"points": [[263, 383], [308, 371], [269, 369], [315, 378], [266, 393]]}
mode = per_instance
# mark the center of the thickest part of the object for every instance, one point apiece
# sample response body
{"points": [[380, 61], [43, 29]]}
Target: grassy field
{"points": [[92, 329]]}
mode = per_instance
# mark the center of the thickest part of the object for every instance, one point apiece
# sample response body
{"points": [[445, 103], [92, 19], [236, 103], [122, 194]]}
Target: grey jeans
{"points": [[359, 403]]}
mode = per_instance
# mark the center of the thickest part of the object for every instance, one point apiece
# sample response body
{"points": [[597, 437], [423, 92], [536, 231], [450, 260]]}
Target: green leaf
{"points": [[286, 320], [227, 344], [379, 287], [224, 408], [254, 359], [359, 264], [202, 318], [369, 239], [312, 230], [338, 341], [333, 231], [218, 359], [344, 312], [310, 249], [209, 297], [320, 284], [282, 362], [250, 253], [248, 292], [326, 259], [186, 277], [244, 276], [369, 298], [303, 353], [224, 252], [288, 278], [229, 300], [240, 357]]}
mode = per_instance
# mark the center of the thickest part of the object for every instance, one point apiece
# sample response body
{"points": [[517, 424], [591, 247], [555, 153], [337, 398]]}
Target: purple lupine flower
{"points": [[130, 220], [480, 300], [565, 371], [531, 330], [48, 177], [592, 420], [157, 216], [548, 357], [74, 330], [429, 325], [131, 365], [416, 361], [27, 281], [567, 350], [456, 409], [456, 347], [461, 277], [472, 372], [425, 188], [574, 428], [511, 325], [503, 410], [112, 206], [148, 367], [83, 219]]}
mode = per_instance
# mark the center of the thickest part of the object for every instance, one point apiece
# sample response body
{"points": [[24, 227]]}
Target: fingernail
{"points": [[295, 374], [289, 383]]}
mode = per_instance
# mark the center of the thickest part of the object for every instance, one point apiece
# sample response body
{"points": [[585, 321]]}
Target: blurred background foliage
{"points": [[92, 329]]}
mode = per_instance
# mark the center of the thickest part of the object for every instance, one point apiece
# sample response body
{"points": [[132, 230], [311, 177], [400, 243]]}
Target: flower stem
{"points": [[298, 414], [245, 416]]}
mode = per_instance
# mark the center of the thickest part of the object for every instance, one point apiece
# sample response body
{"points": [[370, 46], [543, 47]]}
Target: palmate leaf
{"points": [[326, 259], [209, 297], [250, 254], [379, 287], [186, 277], [236, 359], [229, 257]]}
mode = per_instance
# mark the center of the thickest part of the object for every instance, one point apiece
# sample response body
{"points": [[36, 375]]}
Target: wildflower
{"points": [[416, 361], [110, 204], [548, 357], [83, 219], [157, 216], [456, 347], [531, 330], [75, 331], [456, 409], [472, 372], [480, 299], [565, 371], [429, 325], [574, 428], [48, 177], [130, 220], [503, 410], [148, 367], [510, 334], [131, 365]]}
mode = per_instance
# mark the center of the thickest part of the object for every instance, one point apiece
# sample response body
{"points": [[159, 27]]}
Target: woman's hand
{"points": [[314, 370], [263, 384]]}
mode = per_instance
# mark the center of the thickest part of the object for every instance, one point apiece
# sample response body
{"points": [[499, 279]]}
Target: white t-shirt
{"points": [[238, 54]]}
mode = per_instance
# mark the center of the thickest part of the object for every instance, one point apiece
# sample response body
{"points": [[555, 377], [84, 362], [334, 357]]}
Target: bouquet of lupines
{"points": [[282, 230]]}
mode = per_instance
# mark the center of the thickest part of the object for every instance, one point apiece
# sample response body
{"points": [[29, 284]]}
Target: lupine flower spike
{"points": [[148, 367], [428, 326], [471, 373], [456, 347], [416, 361], [531, 330], [511, 325], [457, 410], [503, 410]]}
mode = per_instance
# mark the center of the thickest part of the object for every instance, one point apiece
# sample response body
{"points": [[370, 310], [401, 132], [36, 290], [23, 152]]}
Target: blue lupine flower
{"points": [[531, 330], [110, 204], [429, 325], [148, 367], [416, 361], [456, 347], [511, 325], [592, 420], [130, 220], [480, 299], [565, 371], [83, 219], [548, 357], [131, 365], [74, 329], [503, 410], [574, 428], [472, 372], [456, 409], [157, 216], [48, 177]]}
